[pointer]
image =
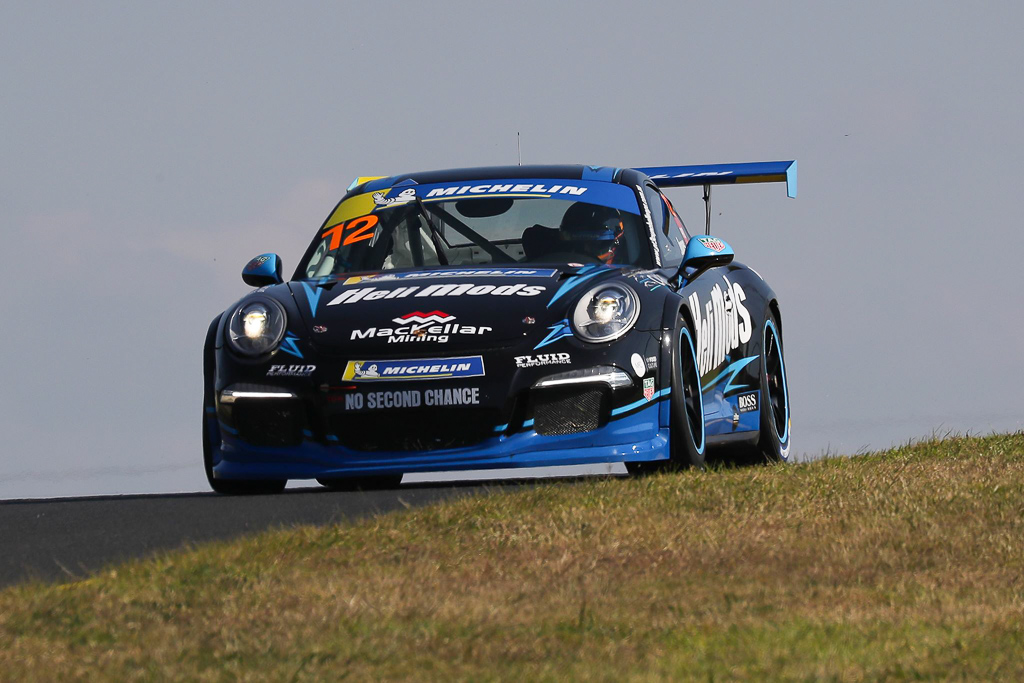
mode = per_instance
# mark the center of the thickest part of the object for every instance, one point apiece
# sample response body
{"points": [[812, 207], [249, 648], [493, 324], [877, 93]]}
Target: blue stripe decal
{"points": [[557, 331], [636, 404], [210, 409], [332, 437], [731, 371], [307, 433], [584, 273], [528, 423], [501, 428], [227, 429], [312, 297], [288, 345]]}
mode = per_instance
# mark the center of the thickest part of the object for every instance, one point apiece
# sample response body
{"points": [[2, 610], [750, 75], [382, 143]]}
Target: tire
{"points": [[211, 433], [234, 487], [773, 439], [687, 438], [387, 481]]}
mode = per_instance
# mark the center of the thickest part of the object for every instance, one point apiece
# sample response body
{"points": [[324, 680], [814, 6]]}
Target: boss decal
{"points": [[291, 370], [747, 402], [721, 324], [419, 368], [435, 326], [543, 359], [352, 296]]}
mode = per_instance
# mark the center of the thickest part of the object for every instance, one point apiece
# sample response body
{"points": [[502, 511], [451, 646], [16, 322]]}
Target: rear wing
{"points": [[725, 174]]}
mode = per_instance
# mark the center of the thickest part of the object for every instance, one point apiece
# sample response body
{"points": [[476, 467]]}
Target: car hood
{"points": [[432, 311]]}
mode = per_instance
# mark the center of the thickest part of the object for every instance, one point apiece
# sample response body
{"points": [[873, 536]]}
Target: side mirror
{"points": [[265, 269], [706, 252]]}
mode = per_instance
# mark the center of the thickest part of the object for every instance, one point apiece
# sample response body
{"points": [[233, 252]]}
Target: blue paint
{"points": [[312, 297], [289, 345], [636, 404], [724, 174], [557, 331], [730, 373], [584, 273], [636, 437], [603, 173]]}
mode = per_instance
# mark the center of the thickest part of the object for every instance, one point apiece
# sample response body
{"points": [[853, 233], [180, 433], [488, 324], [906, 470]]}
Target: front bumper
{"points": [[304, 428], [636, 437]]}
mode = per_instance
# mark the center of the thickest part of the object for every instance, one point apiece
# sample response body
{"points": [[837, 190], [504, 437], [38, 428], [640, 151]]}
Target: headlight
{"points": [[257, 326], [605, 312]]}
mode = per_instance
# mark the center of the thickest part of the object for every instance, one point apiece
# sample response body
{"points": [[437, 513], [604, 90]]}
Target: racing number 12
{"points": [[358, 229]]}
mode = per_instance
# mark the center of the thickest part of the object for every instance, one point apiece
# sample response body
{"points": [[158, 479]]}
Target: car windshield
{"points": [[486, 222]]}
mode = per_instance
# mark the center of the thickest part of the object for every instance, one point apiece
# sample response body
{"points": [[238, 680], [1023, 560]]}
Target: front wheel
{"points": [[687, 439], [233, 487]]}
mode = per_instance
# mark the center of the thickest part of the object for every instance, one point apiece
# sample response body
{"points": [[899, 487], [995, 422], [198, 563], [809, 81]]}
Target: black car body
{"points": [[493, 318]]}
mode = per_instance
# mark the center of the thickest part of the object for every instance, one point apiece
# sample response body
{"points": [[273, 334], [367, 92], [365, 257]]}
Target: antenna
{"points": [[519, 148]]}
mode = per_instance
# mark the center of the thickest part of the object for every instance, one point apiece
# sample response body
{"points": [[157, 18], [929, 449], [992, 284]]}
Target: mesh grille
{"points": [[568, 411], [267, 422], [414, 430]]}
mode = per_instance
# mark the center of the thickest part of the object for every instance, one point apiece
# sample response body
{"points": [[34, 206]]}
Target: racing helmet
{"points": [[592, 230]]}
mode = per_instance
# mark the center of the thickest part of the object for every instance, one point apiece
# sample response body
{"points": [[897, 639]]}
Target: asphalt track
{"points": [[69, 538]]}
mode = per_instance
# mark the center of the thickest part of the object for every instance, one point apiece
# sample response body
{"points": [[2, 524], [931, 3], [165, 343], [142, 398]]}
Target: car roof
{"points": [[566, 172]]}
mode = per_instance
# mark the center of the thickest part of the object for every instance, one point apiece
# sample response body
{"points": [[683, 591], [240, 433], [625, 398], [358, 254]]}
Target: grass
{"points": [[898, 565]]}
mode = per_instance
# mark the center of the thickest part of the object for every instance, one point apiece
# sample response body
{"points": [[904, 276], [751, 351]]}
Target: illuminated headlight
{"points": [[257, 326], [605, 312]]}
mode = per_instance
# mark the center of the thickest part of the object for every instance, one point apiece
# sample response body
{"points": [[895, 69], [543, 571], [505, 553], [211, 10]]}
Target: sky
{"points": [[149, 150]]}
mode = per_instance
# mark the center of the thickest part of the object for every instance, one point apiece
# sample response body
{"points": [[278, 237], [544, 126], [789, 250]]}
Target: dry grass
{"points": [[905, 564]]}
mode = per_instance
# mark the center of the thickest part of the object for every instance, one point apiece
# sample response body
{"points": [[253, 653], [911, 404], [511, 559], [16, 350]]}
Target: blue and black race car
{"points": [[498, 317]]}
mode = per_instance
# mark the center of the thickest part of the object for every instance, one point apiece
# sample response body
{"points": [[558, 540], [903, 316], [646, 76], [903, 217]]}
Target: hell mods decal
{"points": [[351, 296], [721, 324]]}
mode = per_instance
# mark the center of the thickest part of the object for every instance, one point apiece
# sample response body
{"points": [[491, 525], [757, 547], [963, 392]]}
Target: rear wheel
{"points": [[686, 435], [775, 421], [773, 439]]}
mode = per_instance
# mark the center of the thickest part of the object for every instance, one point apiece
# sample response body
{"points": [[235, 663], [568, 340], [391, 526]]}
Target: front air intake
{"points": [[569, 410]]}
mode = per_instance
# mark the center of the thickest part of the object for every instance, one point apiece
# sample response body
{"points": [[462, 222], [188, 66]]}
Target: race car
{"points": [[500, 317]]}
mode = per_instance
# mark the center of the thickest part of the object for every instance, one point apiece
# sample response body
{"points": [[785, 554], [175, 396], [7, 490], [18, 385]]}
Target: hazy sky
{"points": [[149, 150]]}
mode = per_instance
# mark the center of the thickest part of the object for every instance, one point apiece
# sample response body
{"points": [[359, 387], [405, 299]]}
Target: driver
{"points": [[591, 230]]}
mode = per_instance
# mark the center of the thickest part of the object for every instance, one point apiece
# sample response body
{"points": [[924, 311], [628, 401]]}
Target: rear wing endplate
{"points": [[725, 174]]}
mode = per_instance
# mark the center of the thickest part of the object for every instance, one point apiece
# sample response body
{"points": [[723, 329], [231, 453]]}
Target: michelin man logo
{"points": [[406, 195], [370, 372]]}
